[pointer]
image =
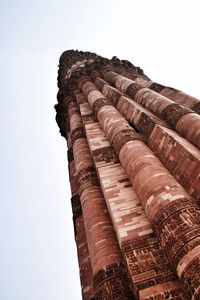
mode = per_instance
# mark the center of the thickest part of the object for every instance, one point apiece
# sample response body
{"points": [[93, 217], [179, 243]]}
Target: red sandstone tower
{"points": [[134, 166]]}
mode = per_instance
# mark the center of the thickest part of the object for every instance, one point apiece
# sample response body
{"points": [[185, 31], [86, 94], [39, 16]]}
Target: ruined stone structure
{"points": [[134, 167]]}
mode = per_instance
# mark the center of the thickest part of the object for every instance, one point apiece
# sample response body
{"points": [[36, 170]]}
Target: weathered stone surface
{"points": [[102, 244], [146, 263], [131, 202]]}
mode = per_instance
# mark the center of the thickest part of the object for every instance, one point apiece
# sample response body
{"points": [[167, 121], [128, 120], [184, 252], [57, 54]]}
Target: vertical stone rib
{"points": [[105, 255], [79, 228], [166, 203]]}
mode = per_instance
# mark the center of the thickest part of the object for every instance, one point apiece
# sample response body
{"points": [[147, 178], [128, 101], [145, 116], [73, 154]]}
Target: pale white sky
{"points": [[37, 252]]}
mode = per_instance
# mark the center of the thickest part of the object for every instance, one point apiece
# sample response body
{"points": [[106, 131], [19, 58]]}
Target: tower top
{"points": [[73, 64]]}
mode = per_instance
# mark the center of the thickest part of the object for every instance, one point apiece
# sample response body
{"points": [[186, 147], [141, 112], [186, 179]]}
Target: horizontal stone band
{"points": [[78, 133], [99, 103], [111, 283], [178, 228], [174, 112], [86, 178], [122, 137], [105, 154]]}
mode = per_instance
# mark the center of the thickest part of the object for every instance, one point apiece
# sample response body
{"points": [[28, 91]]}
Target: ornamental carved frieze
{"points": [[156, 87], [72, 109], [105, 154], [111, 284], [122, 137], [80, 97], [145, 125], [175, 294], [174, 112], [133, 88], [87, 178], [99, 82], [89, 118], [191, 278], [78, 133], [145, 259], [99, 103], [178, 227]]}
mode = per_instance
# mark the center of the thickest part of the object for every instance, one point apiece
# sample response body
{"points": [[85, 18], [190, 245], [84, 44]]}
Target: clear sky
{"points": [[37, 248]]}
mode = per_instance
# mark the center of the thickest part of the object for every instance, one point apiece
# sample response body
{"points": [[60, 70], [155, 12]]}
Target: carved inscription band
{"points": [[122, 137], [86, 178], [99, 103], [179, 221], [174, 112], [111, 283], [78, 133]]}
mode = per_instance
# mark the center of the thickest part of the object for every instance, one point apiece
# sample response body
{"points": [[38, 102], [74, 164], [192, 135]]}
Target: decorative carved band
{"points": [[115, 96], [156, 87], [145, 125], [175, 294], [90, 118], [111, 283], [178, 227], [174, 112], [99, 103], [77, 133], [196, 108], [76, 206], [86, 178], [105, 154], [122, 137], [191, 278], [145, 258], [99, 82], [133, 88], [70, 155]]}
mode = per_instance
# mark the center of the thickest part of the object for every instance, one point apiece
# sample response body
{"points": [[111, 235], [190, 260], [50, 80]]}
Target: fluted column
{"points": [[179, 156], [147, 267], [105, 255], [151, 212], [79, 230], [174, 216], [176, 115]]}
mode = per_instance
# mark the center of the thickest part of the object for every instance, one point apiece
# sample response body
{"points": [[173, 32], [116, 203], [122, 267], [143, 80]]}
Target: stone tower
{"points": [[134, 168]]}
